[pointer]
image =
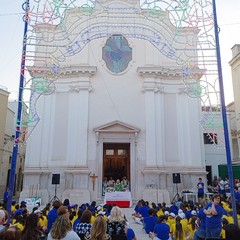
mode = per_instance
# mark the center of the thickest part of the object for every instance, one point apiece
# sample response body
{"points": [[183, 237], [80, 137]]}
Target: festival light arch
{"points": [[195, 57]]}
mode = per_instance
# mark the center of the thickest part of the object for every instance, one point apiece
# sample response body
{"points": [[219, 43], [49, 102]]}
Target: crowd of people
{"points": [[188, 220], [182, 220], [179, 221], [193, 221], [66, 222]]}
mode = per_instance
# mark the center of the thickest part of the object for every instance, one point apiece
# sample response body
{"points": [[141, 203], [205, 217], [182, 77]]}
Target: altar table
{"points": [[191, 195], [121, 199]]}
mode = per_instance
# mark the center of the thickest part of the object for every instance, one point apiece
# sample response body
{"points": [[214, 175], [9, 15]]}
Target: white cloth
{"points": [[71, 235], [222, 185]]}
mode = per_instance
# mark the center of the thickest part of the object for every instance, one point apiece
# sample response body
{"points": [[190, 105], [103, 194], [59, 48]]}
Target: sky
{"points": [[12, 27]]}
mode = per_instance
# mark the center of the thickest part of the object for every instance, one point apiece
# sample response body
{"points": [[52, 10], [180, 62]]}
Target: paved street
{"points": [[140, 233]]}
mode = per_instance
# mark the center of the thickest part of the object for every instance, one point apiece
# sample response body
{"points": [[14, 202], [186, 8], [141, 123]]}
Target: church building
{"points": [[114, 104]]}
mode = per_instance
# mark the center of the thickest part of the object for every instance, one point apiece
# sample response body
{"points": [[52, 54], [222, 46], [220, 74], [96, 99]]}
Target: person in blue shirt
{"points": [[161, 229], [143, 210], [200, 187], [5, 196], [150, 221], [136, 209], [237, 194], [52, 215], [173, 208], [200, 233], [21, 210], [214, 213], [92, 207], [129, 232]]}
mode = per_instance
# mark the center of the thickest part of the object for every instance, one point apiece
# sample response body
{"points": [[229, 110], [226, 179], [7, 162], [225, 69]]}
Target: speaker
{"points": [[176, 178], [56, 178]]}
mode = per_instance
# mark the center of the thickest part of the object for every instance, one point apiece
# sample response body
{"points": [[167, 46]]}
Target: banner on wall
{"points": [[31, 202]]}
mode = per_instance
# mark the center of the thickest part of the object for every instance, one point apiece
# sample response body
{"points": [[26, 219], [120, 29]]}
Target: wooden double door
{"points": [[116, 160]]}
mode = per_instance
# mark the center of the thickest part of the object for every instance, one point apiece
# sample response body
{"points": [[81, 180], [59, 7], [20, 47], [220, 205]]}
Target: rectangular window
{"points": [[109, 151], [210, 138], [121, 152]]}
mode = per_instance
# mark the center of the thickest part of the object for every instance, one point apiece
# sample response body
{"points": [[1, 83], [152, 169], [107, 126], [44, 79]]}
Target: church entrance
{"points": [[116, 160]]}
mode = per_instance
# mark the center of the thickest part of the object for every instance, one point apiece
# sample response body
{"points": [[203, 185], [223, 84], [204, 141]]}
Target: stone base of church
{"points": [[156, 195], [77, 196]]}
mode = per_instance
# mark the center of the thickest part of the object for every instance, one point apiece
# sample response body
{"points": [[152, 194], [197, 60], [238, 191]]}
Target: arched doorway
{"points": [[116, 160]]}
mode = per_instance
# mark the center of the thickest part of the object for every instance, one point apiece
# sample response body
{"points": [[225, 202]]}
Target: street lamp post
{"points": [[25, 7], [224, 115]]}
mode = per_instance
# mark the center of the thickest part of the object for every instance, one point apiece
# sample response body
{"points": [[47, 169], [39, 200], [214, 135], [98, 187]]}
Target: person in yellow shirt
{"points": [[229, 218], [191, 227], [42, 220], [177, 230], [19, 222], [184, 222], [224, 224], [226, 206], [238, 218], [92, 219], [46, 209], [171, 219], [73, 216], [14, 207], [160, 212]]}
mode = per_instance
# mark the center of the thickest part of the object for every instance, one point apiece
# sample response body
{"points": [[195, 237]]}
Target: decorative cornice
{"points": [[168, 73], [52, 72], [161, 72], [86, 71]]}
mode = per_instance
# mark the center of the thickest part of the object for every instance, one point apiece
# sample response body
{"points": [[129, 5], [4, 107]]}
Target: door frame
{"points": [[117, 132], [116, 158]]}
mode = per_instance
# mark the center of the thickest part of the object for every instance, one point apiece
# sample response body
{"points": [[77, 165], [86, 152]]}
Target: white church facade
{"points": [[118, 108]]}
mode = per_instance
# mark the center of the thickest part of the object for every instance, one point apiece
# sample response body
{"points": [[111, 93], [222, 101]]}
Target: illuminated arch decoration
{"points": [[196, 57]]}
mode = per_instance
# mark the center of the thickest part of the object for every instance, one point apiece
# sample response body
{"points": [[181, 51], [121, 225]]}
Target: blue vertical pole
{"points": [[25, 7], [224, 116]]}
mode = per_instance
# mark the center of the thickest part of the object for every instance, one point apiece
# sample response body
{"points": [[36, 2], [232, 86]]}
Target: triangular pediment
{"points": [[117, 127]]}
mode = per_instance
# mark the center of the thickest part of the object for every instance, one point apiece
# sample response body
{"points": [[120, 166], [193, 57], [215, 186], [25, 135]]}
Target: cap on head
{"points": [[166, 213], [180, 211], [193, 212]]}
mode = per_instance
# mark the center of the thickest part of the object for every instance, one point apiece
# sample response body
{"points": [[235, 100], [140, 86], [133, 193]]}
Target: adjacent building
{"points": [[235, 67], [7, 134]]}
